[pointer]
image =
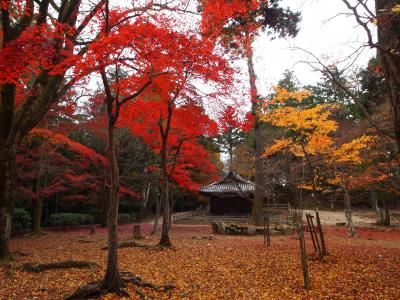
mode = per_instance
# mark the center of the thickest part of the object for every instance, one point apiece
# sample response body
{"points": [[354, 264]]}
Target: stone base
{"points": [[246, 229]]}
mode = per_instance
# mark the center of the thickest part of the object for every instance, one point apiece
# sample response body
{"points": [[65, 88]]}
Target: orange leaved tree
{"points": [[309, 133]]}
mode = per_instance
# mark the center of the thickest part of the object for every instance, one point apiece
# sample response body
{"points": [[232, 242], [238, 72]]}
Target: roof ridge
{"points": [[231, 181]]}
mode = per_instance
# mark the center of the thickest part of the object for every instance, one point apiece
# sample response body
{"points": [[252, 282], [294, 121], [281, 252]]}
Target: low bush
{"points": [[125, 218], [22, 220], [70, 219]]}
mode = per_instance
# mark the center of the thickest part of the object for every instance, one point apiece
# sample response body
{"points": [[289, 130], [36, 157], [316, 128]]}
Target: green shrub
{"points": [[21, 220], [125, 218], [70, 219], [93, 211]]}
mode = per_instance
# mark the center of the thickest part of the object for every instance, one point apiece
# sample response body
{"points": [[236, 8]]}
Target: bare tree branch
{"points": [[327, 71]]}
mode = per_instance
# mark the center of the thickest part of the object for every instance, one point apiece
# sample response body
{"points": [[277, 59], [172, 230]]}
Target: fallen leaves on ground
{"points": [[226, 267]]}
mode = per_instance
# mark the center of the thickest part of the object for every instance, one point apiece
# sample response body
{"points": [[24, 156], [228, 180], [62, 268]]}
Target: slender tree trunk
{"points": [[374, 201], [303, 253], [348, 212], [38, 209], [389, 52], [137, 234], [38, 203], [273, 192], [165, 241], [381, 220], [387, 221], [37, 216], [332, 203], [259, 172], [230, 157], [321, 233], [57, 200], [166, 202], [316, 199], [298, 204], [104, 204], [157, 216], [379, 210], [112, 280]]}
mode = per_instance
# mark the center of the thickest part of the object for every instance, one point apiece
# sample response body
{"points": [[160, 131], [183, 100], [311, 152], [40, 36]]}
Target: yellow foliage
{"points": [[308, 187], [309, 131], [319, 144], [305, 122], [282, 95], [278, 146], [396, 9], [351, 151], [297, 150], [312, 126]]}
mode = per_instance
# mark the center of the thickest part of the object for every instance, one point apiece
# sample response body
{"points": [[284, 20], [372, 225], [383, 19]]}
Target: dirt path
{"points": [[333, 217], [360, 218]]}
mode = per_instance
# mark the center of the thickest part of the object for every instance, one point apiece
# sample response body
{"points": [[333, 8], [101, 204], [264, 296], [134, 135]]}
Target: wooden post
{"points": [[303, 253], [321, 233], [315, 236], [311, 232]]}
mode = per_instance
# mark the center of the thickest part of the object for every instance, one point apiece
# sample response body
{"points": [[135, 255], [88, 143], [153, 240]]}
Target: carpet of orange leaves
{"points": [[226, 267]]}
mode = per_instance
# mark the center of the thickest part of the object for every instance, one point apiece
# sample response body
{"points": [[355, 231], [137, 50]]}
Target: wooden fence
{"points": [[190, 218], [278, 213]]}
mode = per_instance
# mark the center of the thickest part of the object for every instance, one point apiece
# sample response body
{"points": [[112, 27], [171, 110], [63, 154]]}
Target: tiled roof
{"points": [[231, 183]]}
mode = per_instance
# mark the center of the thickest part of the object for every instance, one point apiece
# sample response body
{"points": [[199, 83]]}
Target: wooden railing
{"points": [[278, 213], [190, 218]]}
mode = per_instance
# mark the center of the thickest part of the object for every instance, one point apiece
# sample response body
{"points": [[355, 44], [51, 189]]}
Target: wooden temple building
{"points": [[230, 196]]}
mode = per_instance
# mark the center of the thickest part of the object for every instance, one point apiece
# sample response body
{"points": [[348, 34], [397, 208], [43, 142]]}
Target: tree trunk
{"points": [[389, 52], [387, 221], [230, 150], [348, 212], [137, 235], [37, 216], [57, 200], [165, 241], [7, 197], [5, 231], [374, 201], [321, 232], [298, 204], [259, 172], [38, 205], [381, 220], [303, 253], [104, 205], [166, 202], [315, 198], [16, 124], [157, 216], [112, 280], [332, 203]]}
